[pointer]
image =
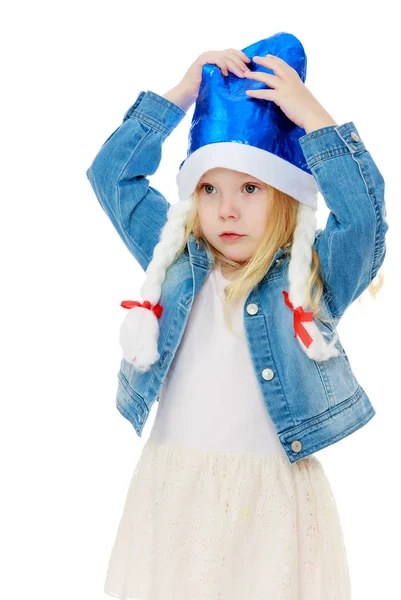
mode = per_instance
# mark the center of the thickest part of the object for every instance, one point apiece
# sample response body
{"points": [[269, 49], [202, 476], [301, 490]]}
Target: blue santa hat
{"points": [[232, 130]]}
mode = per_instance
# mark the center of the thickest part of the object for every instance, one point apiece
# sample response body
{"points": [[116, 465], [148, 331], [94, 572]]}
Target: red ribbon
{"points": [[299, 316], [157, 308]]}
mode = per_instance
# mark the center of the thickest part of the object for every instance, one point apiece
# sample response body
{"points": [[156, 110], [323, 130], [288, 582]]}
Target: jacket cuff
{"points": [[330, 141], [156, 111]]}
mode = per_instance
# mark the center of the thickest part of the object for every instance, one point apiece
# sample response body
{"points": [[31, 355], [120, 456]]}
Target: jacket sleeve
{"points": [[352, 246], [118, 173]]}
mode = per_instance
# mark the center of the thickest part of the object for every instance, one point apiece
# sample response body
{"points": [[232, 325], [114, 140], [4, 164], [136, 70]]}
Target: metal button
{"points": [[139, 418], [267, 374], [252, 309], [354, 136], [296, 446]]}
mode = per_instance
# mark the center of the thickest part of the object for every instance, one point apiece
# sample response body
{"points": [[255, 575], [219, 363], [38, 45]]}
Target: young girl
{"points": [[228, 500]]}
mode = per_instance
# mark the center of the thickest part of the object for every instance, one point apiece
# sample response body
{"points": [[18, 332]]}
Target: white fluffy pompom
{"points": [[139, 333]]}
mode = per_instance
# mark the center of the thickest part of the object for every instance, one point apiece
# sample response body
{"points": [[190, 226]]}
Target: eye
{"points": [[251, 185], [208, 185]]}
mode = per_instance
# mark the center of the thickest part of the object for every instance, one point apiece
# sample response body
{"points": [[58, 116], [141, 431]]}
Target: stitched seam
{"points": [[331, 153], [129, 389], [129, 239], [373, 205], [145, 118], [167, 103], [128, 417], [331, 413], [272, 357], [338, 436]]}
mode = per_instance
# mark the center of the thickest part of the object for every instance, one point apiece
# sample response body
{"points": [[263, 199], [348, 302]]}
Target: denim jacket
{"points": [[311, 404]]}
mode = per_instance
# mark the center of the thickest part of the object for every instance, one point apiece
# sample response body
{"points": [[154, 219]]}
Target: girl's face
{"points": [[232, 201]]}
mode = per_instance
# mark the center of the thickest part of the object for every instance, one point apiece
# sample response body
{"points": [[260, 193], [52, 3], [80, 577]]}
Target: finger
{"points": [[264, 94], [222, 66], [275, 63], [236, 66], [227, 65], [267, 78], [242, 55]]}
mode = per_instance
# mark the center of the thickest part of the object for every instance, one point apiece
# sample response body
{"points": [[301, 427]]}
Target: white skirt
{"points": [[200, 525]]}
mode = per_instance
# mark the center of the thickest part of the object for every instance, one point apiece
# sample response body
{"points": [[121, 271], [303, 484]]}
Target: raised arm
{"points": [[352, 246], [118, 174]]}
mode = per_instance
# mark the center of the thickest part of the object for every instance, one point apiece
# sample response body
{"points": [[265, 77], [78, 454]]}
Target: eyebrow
{"points": [[242, 181]]}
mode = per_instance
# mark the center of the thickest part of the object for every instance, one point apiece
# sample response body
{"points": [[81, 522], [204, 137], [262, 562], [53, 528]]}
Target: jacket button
{"points": [[139, 418], [296, 446], [354, 136], [267, 374], [252, 309]]}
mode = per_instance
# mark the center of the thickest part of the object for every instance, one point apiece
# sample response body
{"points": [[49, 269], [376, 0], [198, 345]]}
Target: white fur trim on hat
{"points": [[260, 163]]}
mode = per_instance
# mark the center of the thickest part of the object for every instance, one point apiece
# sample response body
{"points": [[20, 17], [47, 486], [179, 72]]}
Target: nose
{"points": [[228, 207]]}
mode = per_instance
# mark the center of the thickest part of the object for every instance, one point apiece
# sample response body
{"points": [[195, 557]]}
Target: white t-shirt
{"points": [[210, 398]]}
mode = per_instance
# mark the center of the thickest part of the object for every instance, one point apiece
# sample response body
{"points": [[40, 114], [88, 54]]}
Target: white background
{"points": [[69, 72]]}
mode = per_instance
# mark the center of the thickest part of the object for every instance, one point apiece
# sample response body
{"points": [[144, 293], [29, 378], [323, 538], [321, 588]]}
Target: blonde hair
{"points": [[278, 233]]}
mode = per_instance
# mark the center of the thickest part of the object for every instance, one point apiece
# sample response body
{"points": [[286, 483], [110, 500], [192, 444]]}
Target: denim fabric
{"points": [[312, 404]]}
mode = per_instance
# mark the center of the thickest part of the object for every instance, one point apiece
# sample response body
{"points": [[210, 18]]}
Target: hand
{"points": [[228, 60], [289, 93]]}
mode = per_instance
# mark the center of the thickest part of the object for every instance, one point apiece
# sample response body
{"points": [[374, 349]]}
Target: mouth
{"points": [[231, 236]]}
